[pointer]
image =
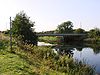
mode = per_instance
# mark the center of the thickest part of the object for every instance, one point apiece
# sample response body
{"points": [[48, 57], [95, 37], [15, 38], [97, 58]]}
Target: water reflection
{"points": [[95, 47], [64, 50], [89, 52], [69, 48]]}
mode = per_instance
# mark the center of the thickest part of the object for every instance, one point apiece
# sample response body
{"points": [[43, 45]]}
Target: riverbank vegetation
{"points": [[32, 60], [49, 39]]}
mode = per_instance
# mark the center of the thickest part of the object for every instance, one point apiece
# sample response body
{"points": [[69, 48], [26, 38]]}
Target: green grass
{"points": [[23, 63], [12, 64], [49, 39]]}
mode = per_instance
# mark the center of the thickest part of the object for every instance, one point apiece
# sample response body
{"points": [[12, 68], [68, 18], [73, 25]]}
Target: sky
{"points": [[48, 14]]}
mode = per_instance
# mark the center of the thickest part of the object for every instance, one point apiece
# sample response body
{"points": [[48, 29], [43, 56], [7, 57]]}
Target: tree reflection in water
{"points": [[64, 50], [69, 48], [95, 47]]}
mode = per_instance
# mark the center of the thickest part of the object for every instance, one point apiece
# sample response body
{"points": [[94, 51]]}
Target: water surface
{"points": [[89, 56]]}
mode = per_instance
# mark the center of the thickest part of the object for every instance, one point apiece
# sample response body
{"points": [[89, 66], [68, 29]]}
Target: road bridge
{"points": [[66, 37], [61, 34]]}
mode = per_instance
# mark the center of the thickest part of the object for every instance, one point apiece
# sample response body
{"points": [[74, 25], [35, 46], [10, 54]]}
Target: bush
{"points": [[22, 29]]}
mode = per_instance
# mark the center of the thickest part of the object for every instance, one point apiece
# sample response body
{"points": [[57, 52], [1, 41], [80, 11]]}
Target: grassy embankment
{"points": [[49, 39], [29, 60]]}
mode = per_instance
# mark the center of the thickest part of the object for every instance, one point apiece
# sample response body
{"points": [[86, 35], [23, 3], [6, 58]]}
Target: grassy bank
{"points": [[30, 60], [92, 40], [49, 39]]}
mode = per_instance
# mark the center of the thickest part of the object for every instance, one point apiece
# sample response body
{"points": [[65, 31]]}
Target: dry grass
{"points": [[3, 37]]}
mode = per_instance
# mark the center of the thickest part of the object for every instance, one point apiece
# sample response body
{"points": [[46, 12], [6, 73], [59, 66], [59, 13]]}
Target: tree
{"points": [[65, 27], [79, 30], [94, 33], [22, 29]]}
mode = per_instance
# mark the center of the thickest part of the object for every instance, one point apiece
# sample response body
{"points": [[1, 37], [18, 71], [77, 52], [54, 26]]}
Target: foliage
{"points": [[22, 29], [4, 41], [79, 30], [94, 34], [65, 27], [49, 39], [12, 64]]}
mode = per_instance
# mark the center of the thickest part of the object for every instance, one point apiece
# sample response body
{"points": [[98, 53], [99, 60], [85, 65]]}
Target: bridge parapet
{"points": [[61, 34]]}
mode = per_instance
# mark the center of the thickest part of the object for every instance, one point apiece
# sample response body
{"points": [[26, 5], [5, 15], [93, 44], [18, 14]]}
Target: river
{"points": [[89, 56], [88, 53]]}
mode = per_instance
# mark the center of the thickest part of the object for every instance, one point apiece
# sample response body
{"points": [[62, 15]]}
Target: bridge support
{"points": [[69, 39]]}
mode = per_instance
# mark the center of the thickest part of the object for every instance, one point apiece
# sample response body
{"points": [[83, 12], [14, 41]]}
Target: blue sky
{"points": [[48, 14]]}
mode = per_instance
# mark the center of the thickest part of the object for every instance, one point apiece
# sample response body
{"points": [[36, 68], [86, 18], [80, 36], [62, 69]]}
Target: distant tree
{"points": [[65, 27], [22, 29], [94, 33], [79, 30]]}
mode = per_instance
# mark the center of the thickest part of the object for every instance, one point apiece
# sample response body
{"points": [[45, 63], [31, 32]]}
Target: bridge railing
{"points": [[61, 34]]}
